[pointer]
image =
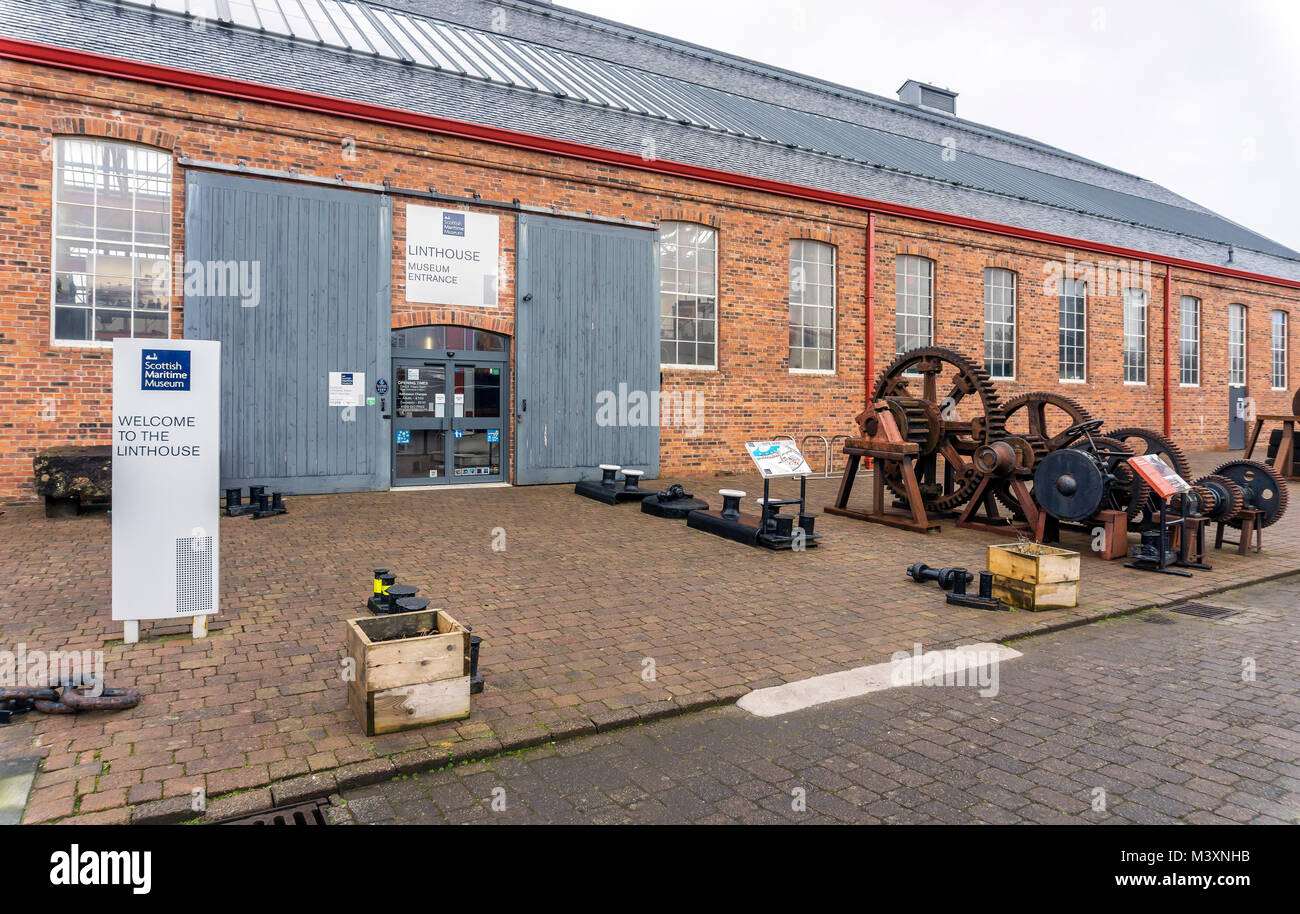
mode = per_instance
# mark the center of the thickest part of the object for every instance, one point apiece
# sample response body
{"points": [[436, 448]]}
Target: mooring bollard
{"points": [[607, 471], [381, 580], [411, 604], [985, 600], [632, 478], [277, 501], [234, 498], [397, 592], [730, 503]]}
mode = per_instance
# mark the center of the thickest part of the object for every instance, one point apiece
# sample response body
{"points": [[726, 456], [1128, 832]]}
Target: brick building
{"points": [[521, 224]]}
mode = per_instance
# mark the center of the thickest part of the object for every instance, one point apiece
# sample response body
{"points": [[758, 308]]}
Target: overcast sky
{"points": [[1201, 97]]}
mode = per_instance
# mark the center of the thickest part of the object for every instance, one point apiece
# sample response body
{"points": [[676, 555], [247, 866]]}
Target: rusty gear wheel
{"points": [[1034, 405], [1261, 486], [1220, 497], [961, 430], [1154, 443]]}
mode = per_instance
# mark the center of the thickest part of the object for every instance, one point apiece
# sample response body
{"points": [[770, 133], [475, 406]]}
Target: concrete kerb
{"points": [[323, 784]]}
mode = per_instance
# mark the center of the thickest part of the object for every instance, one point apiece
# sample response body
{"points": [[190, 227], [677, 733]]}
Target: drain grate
{"points": [[1203, 611], [312, 813]]}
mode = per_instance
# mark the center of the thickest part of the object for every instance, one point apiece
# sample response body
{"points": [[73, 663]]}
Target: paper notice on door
{"points": [[347, 388], [460, 406], [439, 406]]}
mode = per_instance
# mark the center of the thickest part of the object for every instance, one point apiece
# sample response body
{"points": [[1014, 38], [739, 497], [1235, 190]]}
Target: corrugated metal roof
{"points": [[407, 40]]}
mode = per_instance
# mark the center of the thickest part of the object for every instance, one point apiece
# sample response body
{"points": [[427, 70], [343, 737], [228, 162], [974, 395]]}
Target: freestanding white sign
{"points": [[451, 257], [166, 480]]}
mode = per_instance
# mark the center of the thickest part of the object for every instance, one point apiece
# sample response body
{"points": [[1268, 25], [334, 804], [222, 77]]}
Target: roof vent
{"points": [[932, 98]]}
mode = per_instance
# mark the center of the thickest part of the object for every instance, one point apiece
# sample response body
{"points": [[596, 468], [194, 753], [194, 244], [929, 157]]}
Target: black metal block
{"points": [[674, 502]]}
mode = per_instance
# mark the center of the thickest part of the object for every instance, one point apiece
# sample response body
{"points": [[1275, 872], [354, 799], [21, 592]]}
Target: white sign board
{"points": [[777, 458], [166, 478], [347, 388], [451, 257]]}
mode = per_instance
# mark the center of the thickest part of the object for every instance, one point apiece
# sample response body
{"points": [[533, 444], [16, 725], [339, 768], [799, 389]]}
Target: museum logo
{"points": [[165, 369], [453, 224]]}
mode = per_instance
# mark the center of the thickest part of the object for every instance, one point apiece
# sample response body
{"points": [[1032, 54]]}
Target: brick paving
{"points": [[582, 595], [1145, 719]]}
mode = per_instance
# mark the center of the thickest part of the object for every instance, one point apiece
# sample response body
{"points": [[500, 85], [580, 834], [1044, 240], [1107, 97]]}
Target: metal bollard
{"points": [[607, 471], [731, 503], [946, 577], [475, 680]]}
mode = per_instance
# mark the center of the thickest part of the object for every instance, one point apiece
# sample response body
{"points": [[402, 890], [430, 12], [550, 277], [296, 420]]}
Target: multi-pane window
{"points": [[1278, 351], [112, 240], [1189, 340], [688, 295], [1135, 336], [1237, 345], [1000, 323], [812, 306], [913, 303], [1074, 330]]}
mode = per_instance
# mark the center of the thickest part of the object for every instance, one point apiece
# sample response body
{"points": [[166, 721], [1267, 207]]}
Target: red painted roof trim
{"points": [[86, 62]]}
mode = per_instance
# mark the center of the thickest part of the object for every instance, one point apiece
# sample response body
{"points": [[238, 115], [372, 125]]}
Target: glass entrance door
{"points": [[421, 422], [451, 406], [476, 422]]}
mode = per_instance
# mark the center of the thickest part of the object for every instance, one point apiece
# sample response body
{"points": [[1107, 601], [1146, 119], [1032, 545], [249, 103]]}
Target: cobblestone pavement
{"points": [[581, 596], [1144, 719]]}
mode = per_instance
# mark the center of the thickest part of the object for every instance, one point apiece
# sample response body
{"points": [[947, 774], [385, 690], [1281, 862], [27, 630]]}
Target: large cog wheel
{"points": [[1270, 490], [959, 436], [1034, 405]]}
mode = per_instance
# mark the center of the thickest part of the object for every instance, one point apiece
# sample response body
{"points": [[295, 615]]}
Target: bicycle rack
{"points": [[826, 454], [831, 464]]}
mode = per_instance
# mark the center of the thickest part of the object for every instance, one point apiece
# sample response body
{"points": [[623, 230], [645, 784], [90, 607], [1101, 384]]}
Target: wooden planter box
{"points": [[412, 669], [1033, 577]]}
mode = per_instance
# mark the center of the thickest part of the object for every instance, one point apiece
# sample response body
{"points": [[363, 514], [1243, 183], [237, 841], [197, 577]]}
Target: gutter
{"points": [[116, 67]]}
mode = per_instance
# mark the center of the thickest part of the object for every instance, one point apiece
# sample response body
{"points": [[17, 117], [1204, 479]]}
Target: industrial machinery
{"points": [[931, 409], [944, 443], [1044, 415], [1006, 466], [1262, 489], [1146, 441]]}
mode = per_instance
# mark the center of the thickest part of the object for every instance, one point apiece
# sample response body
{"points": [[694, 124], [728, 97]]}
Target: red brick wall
{"points": [[60, 395]]}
